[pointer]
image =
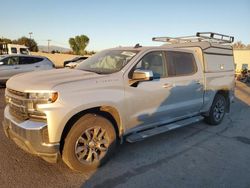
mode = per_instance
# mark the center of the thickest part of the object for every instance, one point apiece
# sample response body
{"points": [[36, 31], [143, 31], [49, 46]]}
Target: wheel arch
{"points": [[108, 112]]}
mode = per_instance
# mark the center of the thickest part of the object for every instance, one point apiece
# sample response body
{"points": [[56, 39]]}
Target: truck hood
{"points": [[47, 80]]}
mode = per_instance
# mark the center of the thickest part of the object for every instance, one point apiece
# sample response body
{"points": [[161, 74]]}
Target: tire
{"points": [[89, 143], [217, 110]]}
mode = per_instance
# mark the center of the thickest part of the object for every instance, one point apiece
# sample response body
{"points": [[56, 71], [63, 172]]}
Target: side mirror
{"points": [[142, 75], [1, 63]]}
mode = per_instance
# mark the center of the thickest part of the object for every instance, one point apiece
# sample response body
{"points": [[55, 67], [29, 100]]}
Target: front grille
{"points": [[18, 114], [17, 102], [17, 93], [19, 105]]}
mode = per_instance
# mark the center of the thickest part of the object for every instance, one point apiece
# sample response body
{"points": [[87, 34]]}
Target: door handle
{"points": [[17, 68], [37, 66], [197, 81], [167, 85]]}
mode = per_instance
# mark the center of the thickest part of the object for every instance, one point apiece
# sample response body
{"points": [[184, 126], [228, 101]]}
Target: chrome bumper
{"points": [[31, 136]]}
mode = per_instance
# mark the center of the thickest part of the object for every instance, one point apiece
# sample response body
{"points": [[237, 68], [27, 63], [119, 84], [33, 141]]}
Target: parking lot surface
{"points": [[195, 156]]}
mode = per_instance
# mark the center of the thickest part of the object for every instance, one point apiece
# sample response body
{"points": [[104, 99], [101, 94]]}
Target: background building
{"points": [[242, 59]]}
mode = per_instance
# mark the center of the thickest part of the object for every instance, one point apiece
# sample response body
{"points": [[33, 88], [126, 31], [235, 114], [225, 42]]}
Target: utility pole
{"points": [[30, 33], [48, 44]]}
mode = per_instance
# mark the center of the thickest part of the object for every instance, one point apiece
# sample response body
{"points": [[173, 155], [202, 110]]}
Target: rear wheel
{"points": [[89, 143], [217, 110]]}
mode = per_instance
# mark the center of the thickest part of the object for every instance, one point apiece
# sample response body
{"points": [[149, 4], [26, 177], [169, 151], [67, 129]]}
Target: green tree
{"points": [[5, 40], [30, 43], [78, 44]]}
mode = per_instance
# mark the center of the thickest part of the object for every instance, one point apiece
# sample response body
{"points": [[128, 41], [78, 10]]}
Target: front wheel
{"points": [[217, 110], [89, 143]]}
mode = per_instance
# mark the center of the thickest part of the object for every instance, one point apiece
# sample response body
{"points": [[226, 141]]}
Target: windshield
{"points": [[24, 51], [107, 62]]}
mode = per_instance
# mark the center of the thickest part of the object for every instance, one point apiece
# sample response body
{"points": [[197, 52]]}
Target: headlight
{"points": [[44, 98], [36, 99]]}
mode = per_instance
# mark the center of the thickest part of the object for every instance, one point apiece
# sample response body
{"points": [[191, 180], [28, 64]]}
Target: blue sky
{"points": [[112, 23]]}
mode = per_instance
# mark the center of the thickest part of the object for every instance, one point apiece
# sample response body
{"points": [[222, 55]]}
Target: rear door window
{"points": [[25, 60], [180, 63], [37, 59], [29, 60], [24, 51]]}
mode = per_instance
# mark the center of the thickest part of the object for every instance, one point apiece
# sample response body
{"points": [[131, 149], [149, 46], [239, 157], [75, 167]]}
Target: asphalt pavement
{"points": [[195, 156]]}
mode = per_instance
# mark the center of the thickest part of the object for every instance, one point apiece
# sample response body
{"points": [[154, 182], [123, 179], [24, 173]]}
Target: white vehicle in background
{"points": [[72, 65], [13, 49], [11, 65], [74, 62]]}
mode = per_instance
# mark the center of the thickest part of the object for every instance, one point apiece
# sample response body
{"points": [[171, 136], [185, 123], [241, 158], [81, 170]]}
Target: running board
{"points": [[138, 136]]}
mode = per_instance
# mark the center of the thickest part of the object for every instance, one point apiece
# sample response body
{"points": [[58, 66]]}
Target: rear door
{"points": [[34, 63], [185, 79], [26, 63]]}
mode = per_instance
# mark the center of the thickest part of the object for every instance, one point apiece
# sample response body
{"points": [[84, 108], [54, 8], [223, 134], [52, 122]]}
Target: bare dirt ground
{"points": [[195, 156]]}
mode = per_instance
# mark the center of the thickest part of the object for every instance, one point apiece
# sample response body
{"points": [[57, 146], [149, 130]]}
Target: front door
{"points": [[185, 76], [145, 102]]}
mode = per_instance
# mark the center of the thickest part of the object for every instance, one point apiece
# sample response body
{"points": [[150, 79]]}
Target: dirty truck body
{"points": [[81, 114]]}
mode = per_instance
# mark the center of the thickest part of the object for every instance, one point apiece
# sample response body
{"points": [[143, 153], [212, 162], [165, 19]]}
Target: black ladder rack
{"points": [[200, 36]]}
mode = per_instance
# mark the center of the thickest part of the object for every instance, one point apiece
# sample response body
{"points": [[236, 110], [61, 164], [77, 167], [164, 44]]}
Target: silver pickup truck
{"points": [[120, 94]]}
